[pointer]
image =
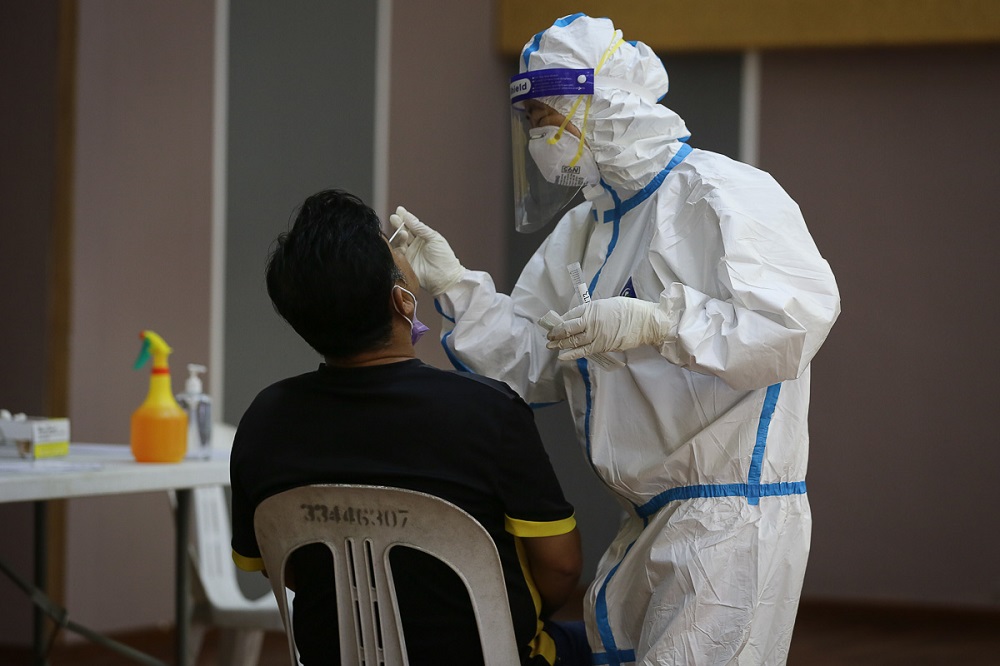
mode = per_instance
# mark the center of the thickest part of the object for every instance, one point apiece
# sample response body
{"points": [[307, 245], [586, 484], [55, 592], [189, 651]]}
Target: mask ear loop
{"points": [[616, 42], [403, 289], [569, 114], [579, 149]]}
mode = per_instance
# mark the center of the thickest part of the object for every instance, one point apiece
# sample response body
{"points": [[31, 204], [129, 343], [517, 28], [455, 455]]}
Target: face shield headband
{"points": [[539, 197], [538, 200]]}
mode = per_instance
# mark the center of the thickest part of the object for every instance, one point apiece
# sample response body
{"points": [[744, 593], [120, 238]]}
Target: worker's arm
{"points": [[536, 512], [555, 563]]}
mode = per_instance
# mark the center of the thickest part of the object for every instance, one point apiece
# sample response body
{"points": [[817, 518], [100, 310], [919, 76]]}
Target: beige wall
{"points": [[27, 187], [141, 259], [449, 138], [892, 155]]}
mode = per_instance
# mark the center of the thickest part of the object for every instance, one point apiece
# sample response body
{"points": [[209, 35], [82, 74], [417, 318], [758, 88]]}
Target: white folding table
{"points": [[110, 469]]}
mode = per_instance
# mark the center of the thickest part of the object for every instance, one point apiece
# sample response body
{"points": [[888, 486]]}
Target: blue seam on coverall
{"points": [[437, 306], [561, 23], [444, 343], [654, 184], [750, 491], [613, 655], [753, 489], [757, 460], [620, 657], [581, 363], [458, 365], [452, 356], [623, 207], [611, 248]]}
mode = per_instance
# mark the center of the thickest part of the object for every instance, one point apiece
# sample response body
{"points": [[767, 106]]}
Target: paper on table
{"points": [[45, 466], [113, 450]]}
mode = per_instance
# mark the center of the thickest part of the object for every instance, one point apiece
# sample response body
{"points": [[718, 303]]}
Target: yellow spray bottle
{"points": [[159, 426]]}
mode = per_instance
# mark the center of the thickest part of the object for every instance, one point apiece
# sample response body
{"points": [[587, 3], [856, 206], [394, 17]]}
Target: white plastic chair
{"points": [[360, 524], [218, 600]]}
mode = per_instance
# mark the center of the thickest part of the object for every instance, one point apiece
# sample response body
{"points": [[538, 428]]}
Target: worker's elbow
{"points": [[572, 568], [557, 560], [565, 573], [571, 562]]}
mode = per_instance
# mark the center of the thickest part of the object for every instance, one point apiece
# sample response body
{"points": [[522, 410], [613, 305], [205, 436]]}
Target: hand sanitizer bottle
{"points": [[198, 406]]}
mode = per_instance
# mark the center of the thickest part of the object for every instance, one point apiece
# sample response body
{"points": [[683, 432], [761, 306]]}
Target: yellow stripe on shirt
{"points": [[530, 528], [248, 563], [542, 644]]}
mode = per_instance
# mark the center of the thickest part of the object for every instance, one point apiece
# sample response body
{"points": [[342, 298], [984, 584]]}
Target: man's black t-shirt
{"points": [[464, 438]]}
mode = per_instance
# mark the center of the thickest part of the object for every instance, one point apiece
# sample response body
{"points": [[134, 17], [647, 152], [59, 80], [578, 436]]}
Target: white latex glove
{"points": [[428, 252], [608, 324]]}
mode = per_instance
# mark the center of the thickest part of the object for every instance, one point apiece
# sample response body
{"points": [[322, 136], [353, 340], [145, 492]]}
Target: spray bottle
{"points": [[159, 426], [199, 412]]}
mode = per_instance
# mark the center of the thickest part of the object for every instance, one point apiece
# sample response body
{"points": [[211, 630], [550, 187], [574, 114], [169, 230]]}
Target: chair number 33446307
{"points": [[357, 515]]}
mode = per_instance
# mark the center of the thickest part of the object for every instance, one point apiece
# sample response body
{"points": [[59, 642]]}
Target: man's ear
{"points": [[403, 302]]}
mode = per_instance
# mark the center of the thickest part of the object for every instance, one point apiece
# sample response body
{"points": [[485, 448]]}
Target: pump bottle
{"points": [[159, 425], [198, 407]]}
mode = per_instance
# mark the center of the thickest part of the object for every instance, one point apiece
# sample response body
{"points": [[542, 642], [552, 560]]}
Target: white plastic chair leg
{"points": [[239, 647], [196, 638]]}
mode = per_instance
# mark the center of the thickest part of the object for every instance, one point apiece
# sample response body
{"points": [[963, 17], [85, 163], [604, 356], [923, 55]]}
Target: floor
{"points": [[825, 635], [840, 635]]}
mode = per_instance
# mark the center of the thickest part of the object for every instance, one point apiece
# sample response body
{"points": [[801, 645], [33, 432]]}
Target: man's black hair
{"points": [[331, 276]]}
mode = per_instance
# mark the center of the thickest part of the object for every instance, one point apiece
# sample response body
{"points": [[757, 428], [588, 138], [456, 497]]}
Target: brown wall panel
{"points": [[892, 156], [32, 292]]}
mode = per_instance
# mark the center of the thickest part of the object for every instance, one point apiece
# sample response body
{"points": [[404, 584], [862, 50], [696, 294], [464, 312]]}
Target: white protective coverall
{"points": [[703, 436]]}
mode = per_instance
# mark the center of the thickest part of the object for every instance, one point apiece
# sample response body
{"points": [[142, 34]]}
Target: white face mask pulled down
{"points": [[562, 162]]}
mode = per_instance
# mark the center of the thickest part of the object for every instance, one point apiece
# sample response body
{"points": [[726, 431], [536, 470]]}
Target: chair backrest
{"points": [[360, 524]]}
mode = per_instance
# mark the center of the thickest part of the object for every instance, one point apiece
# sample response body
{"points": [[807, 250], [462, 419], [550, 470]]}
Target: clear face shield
{"points": [[551, 163]]}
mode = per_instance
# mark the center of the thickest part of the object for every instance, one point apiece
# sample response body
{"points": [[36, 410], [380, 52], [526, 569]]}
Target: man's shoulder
{"points": [[281, 392], [494, 384], [476, 385], [287, 385]]}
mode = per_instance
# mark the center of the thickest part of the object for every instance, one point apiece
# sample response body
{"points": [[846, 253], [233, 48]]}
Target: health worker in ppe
{"points": [[684, 356]]}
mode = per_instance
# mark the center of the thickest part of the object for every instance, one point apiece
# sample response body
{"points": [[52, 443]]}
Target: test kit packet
{"points": [[34, 437]]}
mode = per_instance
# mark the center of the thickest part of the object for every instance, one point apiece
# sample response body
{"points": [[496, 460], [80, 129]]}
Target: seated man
{"points": [[373, 413]]}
